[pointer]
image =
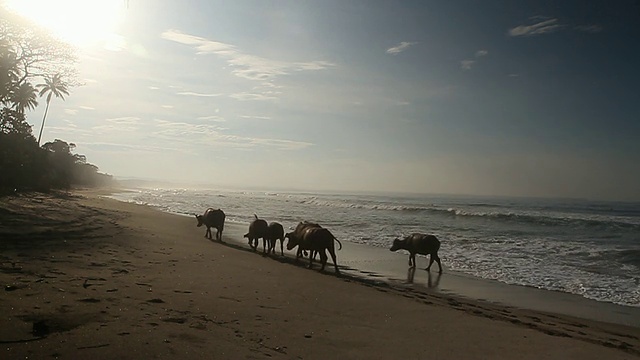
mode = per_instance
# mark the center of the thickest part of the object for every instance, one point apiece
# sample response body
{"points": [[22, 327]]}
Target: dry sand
{"points": [[86, 277]]}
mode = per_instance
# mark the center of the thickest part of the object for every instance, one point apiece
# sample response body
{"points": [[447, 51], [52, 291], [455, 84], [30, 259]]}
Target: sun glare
{"points": [[79, 22]]}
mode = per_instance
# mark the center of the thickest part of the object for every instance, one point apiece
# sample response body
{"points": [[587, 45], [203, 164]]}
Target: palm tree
{"points": [[24, 97], [53, 85]]}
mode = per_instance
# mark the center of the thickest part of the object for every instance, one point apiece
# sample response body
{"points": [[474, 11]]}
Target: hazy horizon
{"points": [[489, 98]]}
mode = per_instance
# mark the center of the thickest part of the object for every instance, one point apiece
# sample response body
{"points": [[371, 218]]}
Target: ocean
{"points": [[587, 248]]}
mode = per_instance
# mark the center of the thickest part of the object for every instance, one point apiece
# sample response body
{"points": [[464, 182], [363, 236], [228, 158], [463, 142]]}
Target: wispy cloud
{"points": [[593, 29], [70, 111], [467, 64], [242, 64], [212, 118], [86, 107], [255, 117], [542, 27], [128, 148], [400, 47], [126, 123], [191, 93], [245, 96], [209, 134]]}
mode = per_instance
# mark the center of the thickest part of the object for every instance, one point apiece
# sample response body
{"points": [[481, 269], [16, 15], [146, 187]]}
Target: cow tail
{"points": [[339, 243]]}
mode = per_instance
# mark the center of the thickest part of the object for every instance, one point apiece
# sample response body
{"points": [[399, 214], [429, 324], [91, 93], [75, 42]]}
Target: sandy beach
{"points": [[86, 276]]}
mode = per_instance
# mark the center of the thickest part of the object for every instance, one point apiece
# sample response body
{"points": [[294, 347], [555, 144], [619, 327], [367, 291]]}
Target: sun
{"points": [[78, 22]]}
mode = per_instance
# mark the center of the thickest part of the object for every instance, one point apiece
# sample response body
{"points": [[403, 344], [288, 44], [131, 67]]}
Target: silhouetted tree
{"points": [[21, 160], [53, 86], [24, 97], [27, 53]]}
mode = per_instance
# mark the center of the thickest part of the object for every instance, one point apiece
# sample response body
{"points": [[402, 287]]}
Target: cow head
{"points": [[293, 241], [397, 245], [199, 218]]}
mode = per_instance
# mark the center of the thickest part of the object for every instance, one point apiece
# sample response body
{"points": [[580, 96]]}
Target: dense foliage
{"points": [[28, 55]]}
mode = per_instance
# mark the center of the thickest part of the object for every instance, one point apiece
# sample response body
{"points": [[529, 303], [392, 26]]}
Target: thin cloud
{"points": [[540, 28], [211, 118], [128, 148], [252, 96], [70, 111], [244, 65], [207, 134], [124, 120], [86, 107], [592, 29], [400, 47], [125, 123], [191, 93], [467, 64], [255, 117]]}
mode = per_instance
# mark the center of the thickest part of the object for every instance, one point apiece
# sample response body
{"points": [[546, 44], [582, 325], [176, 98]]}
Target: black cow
{"points": [[419, 244], [275, 232], [257, 229], [316, 239], [212, 218], [295, 236]]}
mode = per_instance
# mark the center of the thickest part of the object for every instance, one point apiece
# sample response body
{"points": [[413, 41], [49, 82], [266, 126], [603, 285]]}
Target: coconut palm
{"points": [[53, 86], [25, 96]]}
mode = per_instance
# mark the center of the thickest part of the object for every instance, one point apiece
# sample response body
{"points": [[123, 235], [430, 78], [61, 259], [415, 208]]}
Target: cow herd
{"points": [[315, 239]]}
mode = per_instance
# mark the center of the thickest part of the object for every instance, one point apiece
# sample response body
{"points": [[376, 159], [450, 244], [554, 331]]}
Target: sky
{"points": [[526, 98]]}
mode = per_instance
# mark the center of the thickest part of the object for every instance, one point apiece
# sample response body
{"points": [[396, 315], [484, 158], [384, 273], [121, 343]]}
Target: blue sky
{"points": [[520, 98]]}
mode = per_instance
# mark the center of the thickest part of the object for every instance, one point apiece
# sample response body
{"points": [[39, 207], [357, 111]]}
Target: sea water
{"points": [[581, 247]]}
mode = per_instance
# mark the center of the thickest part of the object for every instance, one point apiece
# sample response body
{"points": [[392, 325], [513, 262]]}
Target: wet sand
{"points": [[90, 277]]}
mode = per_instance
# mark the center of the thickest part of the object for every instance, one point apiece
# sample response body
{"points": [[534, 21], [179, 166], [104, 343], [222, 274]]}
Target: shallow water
{"points": [[580, 247]]}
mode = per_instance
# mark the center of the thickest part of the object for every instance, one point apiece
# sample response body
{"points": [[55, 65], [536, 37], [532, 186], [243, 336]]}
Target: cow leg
{"points": [[281, 247], [439, 263], [332, 252], [311, 256], [412, 260], [208, 233], [431, 260], [323, 259]]}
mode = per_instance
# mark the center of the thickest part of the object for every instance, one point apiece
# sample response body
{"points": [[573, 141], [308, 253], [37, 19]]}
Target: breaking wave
{"points": [[541, 218]]}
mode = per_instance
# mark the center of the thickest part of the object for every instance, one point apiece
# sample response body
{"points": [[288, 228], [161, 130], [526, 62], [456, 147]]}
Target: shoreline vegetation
{"points": [[89, 276], [35, 65]]}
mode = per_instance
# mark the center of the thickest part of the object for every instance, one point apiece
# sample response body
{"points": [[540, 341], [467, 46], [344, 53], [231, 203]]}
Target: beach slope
{"points": [[87, 277]]}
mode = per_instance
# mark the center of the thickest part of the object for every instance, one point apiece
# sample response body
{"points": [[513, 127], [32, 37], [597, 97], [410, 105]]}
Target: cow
{"points": [[316, 239], [275, 232], [419, 244], [212, 218], [257, 229], [296, 235]]}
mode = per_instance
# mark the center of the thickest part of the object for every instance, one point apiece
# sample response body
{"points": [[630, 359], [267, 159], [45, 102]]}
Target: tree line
{"points": [[34, 65]]}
